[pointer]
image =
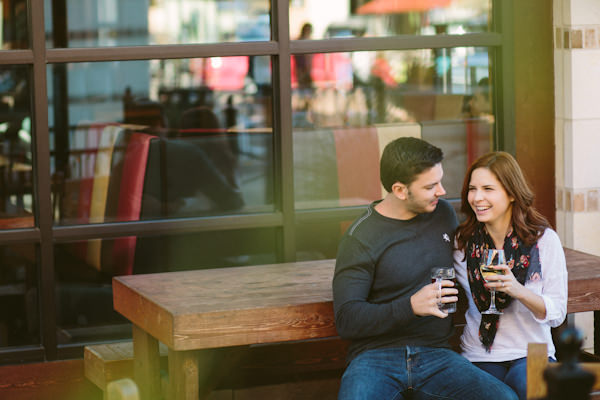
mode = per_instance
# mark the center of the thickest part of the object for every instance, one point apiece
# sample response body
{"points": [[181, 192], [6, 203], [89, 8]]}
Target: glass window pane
{"points": [[355, 103], [142, 22], [160, 139], [19, 313], [355, 18], [16, 178], [318, 240], [85, 268], [14, 26]]}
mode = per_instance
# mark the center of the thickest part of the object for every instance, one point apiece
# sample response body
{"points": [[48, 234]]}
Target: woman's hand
{"points": [[506, 282]]}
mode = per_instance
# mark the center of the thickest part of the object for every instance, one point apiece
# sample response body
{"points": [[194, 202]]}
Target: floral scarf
{"points": [[524, 261]]}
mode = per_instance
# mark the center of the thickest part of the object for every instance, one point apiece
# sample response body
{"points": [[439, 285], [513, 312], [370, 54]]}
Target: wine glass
{"points": [[490, 259]]}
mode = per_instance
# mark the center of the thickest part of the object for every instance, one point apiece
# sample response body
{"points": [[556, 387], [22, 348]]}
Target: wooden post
{"points": [[183, 375], [146, 364], [537, 361]]}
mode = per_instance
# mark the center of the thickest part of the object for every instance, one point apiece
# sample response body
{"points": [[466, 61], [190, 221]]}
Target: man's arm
{"points": [[356, 317]]}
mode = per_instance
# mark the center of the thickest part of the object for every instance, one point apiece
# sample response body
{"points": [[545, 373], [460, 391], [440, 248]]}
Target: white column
{"points": [[577, 100]]}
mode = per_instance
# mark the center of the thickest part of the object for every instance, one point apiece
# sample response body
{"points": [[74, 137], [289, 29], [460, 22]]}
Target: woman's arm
{"points": [[554, 277], [551, 305], [507, 283]]}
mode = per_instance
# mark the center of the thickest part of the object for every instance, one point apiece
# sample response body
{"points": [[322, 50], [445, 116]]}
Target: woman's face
{"points": [[488, 199]]}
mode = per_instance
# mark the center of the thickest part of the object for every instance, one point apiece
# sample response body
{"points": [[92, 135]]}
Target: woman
{"points": [[532, 292]]}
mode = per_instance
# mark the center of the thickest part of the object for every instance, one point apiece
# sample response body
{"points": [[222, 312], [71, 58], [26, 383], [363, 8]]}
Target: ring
{"points": [[502, 284]]}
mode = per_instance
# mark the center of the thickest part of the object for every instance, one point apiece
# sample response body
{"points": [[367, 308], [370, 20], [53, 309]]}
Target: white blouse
{"points": [[518, 326]]}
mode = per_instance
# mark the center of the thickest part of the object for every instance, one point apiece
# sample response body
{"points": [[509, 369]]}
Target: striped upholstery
{"points": [[102, 172], [111, 190], [450, 136], [79, 184], [130, 199], [332, 167], [315, 169], [124, 198], [88, 143], [357, 155], [100, 188], [131, 183], [340, 167]]}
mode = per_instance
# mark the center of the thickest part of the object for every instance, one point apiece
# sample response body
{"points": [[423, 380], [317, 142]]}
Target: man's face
{"points": [[424, 192]]}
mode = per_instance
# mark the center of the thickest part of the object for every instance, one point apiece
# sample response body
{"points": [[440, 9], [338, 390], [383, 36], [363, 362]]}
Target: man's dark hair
{"points": [[405, 158]]}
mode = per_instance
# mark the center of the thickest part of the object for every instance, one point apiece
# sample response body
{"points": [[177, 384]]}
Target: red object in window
{"points": [[381, 69], [400, 6], [327, 70], [130, 199], [226, 73], [357, 154]]}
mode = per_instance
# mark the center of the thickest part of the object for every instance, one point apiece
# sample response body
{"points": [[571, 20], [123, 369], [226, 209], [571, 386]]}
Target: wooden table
{"points": [[204, 309], [194, 311], [584, 281]]}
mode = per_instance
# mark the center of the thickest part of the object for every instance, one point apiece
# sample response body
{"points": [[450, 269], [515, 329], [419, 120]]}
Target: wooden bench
{"points": [[295, 319], [305, 288], [246, 366], [108, 362]]}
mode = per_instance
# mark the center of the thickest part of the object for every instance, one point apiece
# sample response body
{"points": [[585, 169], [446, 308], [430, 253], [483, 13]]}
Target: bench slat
{"points": [[104, 363]]}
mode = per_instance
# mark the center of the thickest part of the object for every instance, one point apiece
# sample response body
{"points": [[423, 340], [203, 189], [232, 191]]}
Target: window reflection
{"points": [[357, 102], [16, 183], [162, 138], [142, 22], [84, 270], [318, 240], [343, 18], [19, 324], [14, 27]]}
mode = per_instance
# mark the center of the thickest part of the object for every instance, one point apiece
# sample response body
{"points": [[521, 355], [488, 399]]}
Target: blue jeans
{"points": [[513, 373], [418, 373]]}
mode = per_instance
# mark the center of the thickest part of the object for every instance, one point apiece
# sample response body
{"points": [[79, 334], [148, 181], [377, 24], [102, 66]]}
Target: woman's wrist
{"points": [[519, 291], [532, 301]]}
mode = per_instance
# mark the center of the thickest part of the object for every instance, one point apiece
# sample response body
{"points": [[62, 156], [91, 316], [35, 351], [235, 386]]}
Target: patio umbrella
{"points": [[400, 6]]}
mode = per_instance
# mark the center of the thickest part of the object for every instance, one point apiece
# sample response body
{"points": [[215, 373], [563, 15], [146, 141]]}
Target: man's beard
{"points": [[415, 207]]}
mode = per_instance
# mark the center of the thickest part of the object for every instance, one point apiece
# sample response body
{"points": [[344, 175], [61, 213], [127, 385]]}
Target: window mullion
{"points": [[42, 179], [283, 144]]}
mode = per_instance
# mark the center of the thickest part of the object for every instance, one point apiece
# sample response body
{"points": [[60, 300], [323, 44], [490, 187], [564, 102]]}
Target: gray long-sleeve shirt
{"points": [[381, 263]]}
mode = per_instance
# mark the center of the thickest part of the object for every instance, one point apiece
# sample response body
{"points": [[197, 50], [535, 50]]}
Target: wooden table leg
{"points": [[183, 375], [146, 366], [194, 375]]}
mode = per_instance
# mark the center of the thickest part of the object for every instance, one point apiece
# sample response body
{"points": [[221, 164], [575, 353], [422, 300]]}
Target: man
{"points": [[384, 301]]}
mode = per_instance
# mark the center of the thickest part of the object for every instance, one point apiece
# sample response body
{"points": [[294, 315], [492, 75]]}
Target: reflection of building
{"points": [[77, 85]]}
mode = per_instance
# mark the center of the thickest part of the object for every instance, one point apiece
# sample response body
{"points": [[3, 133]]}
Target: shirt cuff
{"points": [[402, 310], [554, 316]]}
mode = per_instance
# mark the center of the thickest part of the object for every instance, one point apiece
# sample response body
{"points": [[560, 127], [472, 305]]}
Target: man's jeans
{"points": [[414, 372]]}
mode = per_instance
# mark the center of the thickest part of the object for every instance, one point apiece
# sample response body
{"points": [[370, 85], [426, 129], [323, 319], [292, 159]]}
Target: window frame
{"points": [[285, 217]]}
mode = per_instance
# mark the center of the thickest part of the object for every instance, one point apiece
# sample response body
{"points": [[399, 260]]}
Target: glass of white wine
{"points": [[489, 259]]}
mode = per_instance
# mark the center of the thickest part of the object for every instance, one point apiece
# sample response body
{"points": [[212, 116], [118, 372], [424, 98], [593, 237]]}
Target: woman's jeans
{"points": [[513, 373], [414, 372]]}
